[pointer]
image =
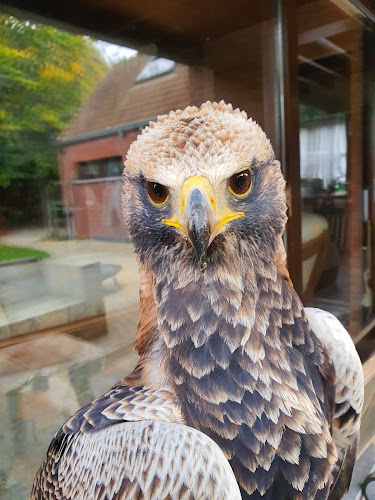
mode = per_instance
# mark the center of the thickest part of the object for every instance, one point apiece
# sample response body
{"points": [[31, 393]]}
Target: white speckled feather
{"points": [[148, 460], [349, 374]]}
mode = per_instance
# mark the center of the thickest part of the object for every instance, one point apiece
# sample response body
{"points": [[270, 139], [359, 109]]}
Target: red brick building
{"points": [[93, 147]]}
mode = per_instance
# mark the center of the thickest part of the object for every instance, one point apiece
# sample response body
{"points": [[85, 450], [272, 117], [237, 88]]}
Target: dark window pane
{"points": [[98, 169], [90, 169], [114, 167]]}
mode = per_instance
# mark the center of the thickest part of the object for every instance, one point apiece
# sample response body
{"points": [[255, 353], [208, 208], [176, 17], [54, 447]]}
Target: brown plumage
{"points": [[227, 356]]}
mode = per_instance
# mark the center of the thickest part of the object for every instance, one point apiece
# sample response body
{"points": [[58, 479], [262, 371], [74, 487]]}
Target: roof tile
{"points": [[118, 100]]}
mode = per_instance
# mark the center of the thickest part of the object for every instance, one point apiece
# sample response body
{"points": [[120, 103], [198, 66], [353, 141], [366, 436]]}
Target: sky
{"points": [[114, 53]]}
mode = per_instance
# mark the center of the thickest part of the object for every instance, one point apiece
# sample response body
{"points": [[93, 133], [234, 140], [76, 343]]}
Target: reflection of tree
{"points": [[44, 76], [307, 113]]}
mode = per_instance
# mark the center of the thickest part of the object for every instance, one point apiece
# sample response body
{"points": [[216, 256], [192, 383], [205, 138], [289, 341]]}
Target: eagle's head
{"points": [[198, 181]]}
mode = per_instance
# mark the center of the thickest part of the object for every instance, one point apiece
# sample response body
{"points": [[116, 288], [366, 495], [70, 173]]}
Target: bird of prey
{"points": [[239, 391]]}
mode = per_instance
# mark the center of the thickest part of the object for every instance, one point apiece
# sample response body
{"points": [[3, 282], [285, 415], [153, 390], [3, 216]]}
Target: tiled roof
{"points": [[119, 101]]}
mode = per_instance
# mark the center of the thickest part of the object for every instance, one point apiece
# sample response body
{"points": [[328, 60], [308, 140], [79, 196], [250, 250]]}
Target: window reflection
{"points": [[332, 170], [155, 66], [100, 169], [68, 315], [323, 149]]}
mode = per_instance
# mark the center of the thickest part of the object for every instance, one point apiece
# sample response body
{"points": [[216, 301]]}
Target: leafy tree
{"points": [[45, 74]]}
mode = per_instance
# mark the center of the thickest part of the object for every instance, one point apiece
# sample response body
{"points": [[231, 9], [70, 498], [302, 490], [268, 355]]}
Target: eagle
{"points": [[239, 391]]}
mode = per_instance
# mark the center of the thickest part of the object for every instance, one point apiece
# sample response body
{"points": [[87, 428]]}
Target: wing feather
{"points": [[146, 460], [349, 393], [124, 403], [349, 374]]}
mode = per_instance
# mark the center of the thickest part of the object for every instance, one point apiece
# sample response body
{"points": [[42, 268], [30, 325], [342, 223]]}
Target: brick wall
{"points": [[96, 205]]}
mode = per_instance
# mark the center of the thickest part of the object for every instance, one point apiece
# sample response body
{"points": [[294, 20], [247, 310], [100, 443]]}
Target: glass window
{"points": [[97, 169], [114, 167], [91, 169], [70, 107], [156, 66], [336, 189]]}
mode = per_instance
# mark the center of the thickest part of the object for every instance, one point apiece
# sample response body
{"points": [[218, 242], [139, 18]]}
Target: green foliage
{"points": [[45, 74], [307, 113], [12, 253]]}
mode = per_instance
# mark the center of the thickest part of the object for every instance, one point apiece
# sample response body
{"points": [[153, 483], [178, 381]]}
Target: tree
{"points": [[45, 74]]}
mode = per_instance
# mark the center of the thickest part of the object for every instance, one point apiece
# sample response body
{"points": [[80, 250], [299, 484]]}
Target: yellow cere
{"points": [[194, 181], [227, 217], [175, 223], [200, 182]]}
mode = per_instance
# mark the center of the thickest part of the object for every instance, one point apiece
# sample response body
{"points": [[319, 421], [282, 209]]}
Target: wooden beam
{"points": [[326, 31], [99, 22], [287, 23], [305, 60], [333, 46], [354, 208], [347, 7], [357, 8]]}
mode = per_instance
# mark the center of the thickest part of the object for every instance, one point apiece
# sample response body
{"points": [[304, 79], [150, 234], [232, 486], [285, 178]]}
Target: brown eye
{"points": [[157, 193], [240, 183]]}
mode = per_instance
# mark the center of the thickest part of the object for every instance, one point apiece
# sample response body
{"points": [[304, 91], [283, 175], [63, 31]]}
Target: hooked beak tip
{"points": [[199, 227]]}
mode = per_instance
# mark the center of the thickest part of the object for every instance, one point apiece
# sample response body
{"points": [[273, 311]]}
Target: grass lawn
{"points": [[12, 253]]}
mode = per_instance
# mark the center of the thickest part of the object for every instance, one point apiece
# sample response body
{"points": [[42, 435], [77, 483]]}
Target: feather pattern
{"points": [[261, 384], [348, 396], [349, 374], [137, 460], [231, 378], [124, 403]]}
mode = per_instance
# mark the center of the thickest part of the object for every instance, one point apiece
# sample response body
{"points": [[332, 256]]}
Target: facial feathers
{"points": [[211, 139], [214, 142]]}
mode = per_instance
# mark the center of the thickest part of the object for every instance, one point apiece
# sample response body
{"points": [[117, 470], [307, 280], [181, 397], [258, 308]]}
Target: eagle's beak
{"points": [[200, 219]]}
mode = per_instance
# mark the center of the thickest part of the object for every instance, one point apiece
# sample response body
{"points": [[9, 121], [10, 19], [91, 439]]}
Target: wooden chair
{"points": [[314, 247]]}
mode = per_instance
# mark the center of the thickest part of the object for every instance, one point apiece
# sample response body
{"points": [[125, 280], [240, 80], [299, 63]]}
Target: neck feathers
{"points": [[245, 366], [237, 302]]}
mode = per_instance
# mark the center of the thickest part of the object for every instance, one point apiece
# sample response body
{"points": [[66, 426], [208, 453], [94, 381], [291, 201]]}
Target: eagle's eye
{"points": [[240, 183], [157, 193]]}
